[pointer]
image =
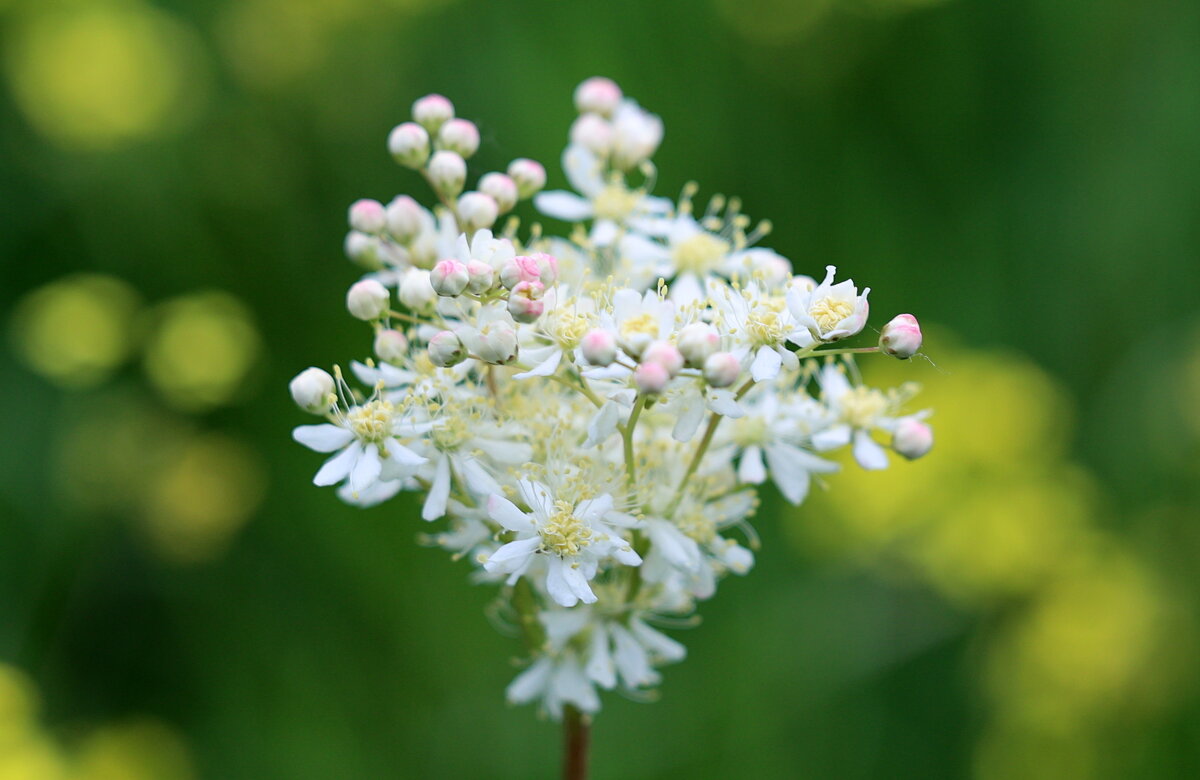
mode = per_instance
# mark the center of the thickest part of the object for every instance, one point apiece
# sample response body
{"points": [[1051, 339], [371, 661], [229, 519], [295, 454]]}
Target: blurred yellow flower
{"points": [[95, 74]]}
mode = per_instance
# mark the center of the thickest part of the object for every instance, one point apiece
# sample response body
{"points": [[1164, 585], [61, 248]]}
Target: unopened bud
{"points": [[593, 133], [721, 369], [912, 438], [432, 111], [404, 219], [599, 348], [477, 211], [521, 268], [901, 337], [445, 349], [311, 390], [367, 300], [496, 343], [480, 276], [501, 188], [665, 354], [447, 172], [529, 176], [459, 135], [391, 345], [547, 267], [367, 215], [409, 145], [697, 341], [416, 292], [525, 302], [449, 277], [598, 95], [363, 249], [651, 378]]}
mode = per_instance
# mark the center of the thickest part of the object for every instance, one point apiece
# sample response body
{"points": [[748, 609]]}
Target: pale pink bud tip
{"points": [[721, 369], [409, 145], [391, 345], [459, 135], [901, 337], [598, 95], [432, 111], [445, 349], [912, 438], [449, 277], [367, 215], [651, 378], [666, 355], [529, 175], [599, 348], [697, 341], [525, 303]]}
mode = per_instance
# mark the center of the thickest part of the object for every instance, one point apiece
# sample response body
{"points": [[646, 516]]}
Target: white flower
{"points": [[859, 410], [760, 326], [575, 539], [829, 311]]}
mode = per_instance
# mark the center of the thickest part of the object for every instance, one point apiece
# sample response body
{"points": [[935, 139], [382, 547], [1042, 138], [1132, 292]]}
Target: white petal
{"points": [[691, 414], [367, 469], [530, 684], [600, 666], [556, 583], [545, 368], [603, 424], [679, 550], [439, 491], [577, 581], [725, 404], [338, 467], [563, 205], [512, 556], [604, 232], [751, 469], [657, 642], [401, 462], [766, 364], [594, 508], [506, 514], [868, 453], [632, 662], [686, 289], [536, 496], [832, 437], [322, 438], [478, 480]]}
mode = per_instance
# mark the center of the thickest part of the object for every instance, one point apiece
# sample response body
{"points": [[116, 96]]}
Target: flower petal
{"points": [[326, 437], [338, 467], [506, 514]]}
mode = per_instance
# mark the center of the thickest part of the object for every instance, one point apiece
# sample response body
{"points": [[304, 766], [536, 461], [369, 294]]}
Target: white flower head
{"points": [[830, 311]]}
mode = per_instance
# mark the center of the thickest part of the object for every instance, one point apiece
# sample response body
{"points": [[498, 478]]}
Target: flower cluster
{"points": [[591, 414]]}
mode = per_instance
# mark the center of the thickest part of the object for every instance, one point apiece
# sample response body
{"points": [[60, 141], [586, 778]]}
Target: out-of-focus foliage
{"points": [[174, 176]]}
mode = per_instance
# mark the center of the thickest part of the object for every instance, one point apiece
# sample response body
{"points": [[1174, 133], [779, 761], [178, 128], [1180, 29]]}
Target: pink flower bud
{"points": [[529, 176], [598, 95], [901, 337], [665, 354], [363, 249], [459, 135], [477, 211], [525, 302], [449, 277], [432, 111], [547, 267], [651, 378], [391, 345], [404, 219], [501, 188], [480, 276], [447, 172], [593, 133], [912, 438], [697, 341], [445, 349], [521, 268], [721, 369], [409, 145], [367, 215], [599, 348], [368, 300], [311, 390]]}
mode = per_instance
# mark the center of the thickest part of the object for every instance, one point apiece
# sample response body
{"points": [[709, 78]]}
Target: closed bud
{"points": [[447, 173], [525, 302], [697, 342], [501, 188], [650, 378], [432, 111], [312, 390], [495, 343], [449, 277], [598, 95], [390, 345], [665, 354], [404, 219], [445, 349], [363, 249], [721, 369], [409, 145], [912, 438], [459, 135], [593, 133], [367, 300], [416, 292], [529, 176], [367, 216], [477, 211], [480, 276], [901, 337], [599, 348], [521, 268], [547, 267]]}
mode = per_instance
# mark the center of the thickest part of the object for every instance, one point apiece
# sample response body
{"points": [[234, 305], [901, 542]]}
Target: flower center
{"points": [[861, 405], [748, 431], [615, 202], [700, 253], [644, 324], [766, 325], [564, 534], [569, 328], [371, 422], [698, 527], [828, 312]]}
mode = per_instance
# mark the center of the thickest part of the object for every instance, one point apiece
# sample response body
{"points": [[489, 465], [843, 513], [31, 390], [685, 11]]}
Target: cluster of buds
{"points": [[592, 414]]}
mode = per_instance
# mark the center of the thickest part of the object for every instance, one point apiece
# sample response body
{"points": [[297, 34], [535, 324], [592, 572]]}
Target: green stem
{"points": [[627, 438], [713, 421], [844, 351]]}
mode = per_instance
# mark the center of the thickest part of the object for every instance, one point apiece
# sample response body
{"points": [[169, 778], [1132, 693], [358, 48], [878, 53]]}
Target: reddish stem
{"points": [[576, 736]]}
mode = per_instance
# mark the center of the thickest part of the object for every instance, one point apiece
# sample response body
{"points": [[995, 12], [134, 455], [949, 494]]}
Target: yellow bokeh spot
{"points": [[204, 346], [95, 74], [77, 330], [202, 496], [144, 750]]}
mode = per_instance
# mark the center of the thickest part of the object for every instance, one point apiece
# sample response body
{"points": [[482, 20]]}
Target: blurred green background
{"points": [[178, 601]]}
